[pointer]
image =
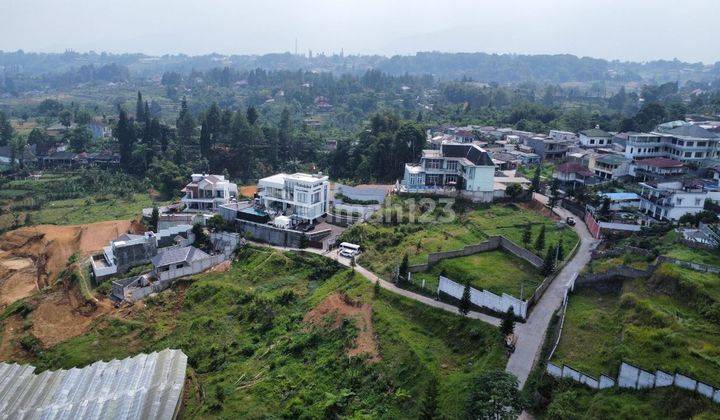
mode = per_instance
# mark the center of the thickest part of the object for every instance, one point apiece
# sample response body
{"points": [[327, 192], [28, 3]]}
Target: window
{"points": [[301, 197], [688, 154], [592, 141], [316, 197], [678, 201], [433, 164], [698, 201], [452, 165], [698, 154]]}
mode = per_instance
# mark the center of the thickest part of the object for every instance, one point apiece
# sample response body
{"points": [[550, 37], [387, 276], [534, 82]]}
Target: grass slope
{"points": [[251, 356], [496, 271]]}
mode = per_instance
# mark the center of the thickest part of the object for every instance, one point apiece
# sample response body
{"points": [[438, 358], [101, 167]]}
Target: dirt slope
{"points": [[32, 257], [339, 307]]}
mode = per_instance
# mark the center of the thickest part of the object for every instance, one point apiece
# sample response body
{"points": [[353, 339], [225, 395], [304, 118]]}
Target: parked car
{"points": [[570, 221]]}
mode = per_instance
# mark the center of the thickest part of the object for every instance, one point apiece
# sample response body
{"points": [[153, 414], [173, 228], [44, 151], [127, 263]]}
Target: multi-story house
{"points": [[677, 140], [301, 196], [671, 200], [548, 148], [659, 167], [595, 137], [208, 192], [563, 135], [571, 173], [463, 169], [609, 166]]}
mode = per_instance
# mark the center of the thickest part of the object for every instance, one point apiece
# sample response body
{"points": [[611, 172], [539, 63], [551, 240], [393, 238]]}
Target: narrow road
{"points": [[531, 334], [391, 286]]}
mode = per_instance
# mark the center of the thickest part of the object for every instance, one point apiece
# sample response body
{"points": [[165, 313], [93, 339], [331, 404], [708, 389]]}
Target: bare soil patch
{"points": [[339, 307], [248, 190], [12, 328], [32, 257]]}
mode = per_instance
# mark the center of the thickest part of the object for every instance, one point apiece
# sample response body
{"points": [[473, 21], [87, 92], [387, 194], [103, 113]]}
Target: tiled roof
{"points": [[146, 386], [691, 131], [473, 153], [570, 168], [595, 132], [177, 255], [660, 162]]}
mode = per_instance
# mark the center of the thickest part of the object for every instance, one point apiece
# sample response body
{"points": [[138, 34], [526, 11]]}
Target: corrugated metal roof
{"points": [[140, 387]]}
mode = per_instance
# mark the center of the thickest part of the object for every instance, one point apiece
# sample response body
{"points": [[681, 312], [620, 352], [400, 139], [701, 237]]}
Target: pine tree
{"points": [[205, 139], [535, 185], [125, 133], [403, 270], [376, 288], [554, 194], [507, 326], [527, 235], [560, 250], [185, 128], [139, 108], [154, 219], [464, 303], [549, 262], [540, 241], [284, 136], [252, 115]]}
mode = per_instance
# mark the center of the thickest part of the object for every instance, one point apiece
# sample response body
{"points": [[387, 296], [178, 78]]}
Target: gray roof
{"points": [[177, 255], [596, 132], [690, 131], [146, 386]]}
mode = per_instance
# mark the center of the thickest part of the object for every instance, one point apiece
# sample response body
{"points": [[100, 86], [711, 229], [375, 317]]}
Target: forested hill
{"points": [[481, 67]]}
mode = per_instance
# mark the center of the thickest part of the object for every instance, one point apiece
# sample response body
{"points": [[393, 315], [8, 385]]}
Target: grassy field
{"points": [[665, 322], [496, 271], [51, 199], [384, 245], [251, 355], [669, 245]]}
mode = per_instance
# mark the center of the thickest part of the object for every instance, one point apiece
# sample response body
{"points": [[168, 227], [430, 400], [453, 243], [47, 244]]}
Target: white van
{"points": [[349, 250]]}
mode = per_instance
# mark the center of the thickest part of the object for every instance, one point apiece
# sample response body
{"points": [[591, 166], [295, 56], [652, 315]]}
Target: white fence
{"points": [[568, 372], [633, 377], [484, 299]]}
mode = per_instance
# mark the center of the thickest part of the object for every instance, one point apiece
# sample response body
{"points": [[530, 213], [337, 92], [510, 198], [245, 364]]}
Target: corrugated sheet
{"points": [[147, 386]]}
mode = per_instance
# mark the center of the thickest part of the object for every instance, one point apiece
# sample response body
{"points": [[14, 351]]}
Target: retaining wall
{"points": [[270, 234], [491, 244], [484, 298], [633, 377]]}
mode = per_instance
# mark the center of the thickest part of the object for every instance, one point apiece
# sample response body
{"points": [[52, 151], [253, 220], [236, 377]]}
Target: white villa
{"points": [[457, 168], [671, 200], [208, 192], [303, 196]]}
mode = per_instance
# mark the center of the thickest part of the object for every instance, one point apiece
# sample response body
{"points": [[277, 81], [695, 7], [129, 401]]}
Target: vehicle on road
{"points": [[570, 221], [349, 250]]}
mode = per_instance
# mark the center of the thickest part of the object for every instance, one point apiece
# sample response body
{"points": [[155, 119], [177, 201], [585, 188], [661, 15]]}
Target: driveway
{"points": [[531, 334]]}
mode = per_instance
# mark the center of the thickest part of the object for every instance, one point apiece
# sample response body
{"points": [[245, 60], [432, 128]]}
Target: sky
{"points": [[637, 30]]}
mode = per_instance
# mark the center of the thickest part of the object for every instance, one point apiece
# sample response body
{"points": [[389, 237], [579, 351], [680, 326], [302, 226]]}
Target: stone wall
{"points": [[270, 234]]}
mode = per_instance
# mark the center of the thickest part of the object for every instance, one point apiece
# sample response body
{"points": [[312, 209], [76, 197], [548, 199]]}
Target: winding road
{"points": [[531, 334]]}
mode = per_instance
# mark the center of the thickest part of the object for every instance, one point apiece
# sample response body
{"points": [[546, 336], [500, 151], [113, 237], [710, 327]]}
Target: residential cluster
{"points": [[670, 172]]}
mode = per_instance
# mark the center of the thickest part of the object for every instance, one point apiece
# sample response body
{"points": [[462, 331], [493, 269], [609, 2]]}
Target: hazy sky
{"points": [[623, 29]]}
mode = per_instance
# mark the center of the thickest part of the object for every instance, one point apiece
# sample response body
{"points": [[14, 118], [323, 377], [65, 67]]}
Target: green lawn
{"points": [[384, 245], [653, 323], [496, 271], [251, 356]]}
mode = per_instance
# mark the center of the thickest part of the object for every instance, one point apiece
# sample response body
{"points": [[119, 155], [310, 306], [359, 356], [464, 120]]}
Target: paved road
{"points": [[391, 286], [531, 334]]}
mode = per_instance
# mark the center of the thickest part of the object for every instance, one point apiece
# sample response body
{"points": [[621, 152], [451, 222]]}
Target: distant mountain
{"points": [[482, 67]]}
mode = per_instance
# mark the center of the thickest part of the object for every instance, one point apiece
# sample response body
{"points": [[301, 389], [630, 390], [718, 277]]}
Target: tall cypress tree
{"points": [[125, 133], [139, 108], [540, 241], [464, 303], [284, 136]]}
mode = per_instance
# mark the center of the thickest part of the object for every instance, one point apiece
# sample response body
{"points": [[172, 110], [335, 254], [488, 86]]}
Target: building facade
{"points": [[595, 137], [464, 169], [671, 200], [208, 192], [299, 195]]}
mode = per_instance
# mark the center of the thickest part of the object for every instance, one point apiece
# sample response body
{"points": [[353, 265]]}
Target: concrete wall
{"points": [[491, 244], [270, 234], [633, 377], [703, 268], [484, 298]]}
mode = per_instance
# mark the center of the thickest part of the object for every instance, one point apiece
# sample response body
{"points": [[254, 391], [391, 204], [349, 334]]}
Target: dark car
{"points": [[570, 221]]}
